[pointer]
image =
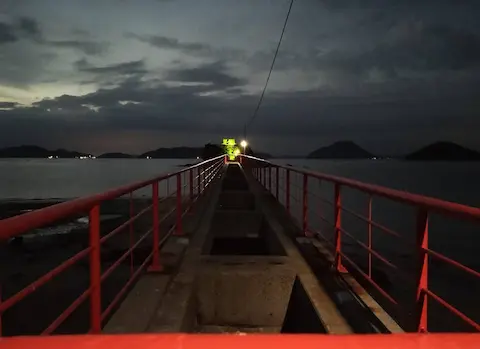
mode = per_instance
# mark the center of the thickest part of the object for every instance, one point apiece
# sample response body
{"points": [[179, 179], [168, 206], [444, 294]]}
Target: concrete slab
{"points": [[135, 312], [243, 294]]}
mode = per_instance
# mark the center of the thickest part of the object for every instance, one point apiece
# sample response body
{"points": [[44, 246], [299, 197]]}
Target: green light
{"points": [[231, 148], [229, 141]]}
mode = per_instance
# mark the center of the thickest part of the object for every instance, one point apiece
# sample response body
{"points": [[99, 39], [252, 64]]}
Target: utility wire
{"points": [[255, 113]]}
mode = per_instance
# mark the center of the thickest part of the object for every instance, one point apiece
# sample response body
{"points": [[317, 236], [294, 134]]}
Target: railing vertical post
{"points": [[370, 236], [130, 227], [155, 267], [198, 182], [287, 190], [1, 326], [276, 182], [95, 270], [206, 178], [305, 205], [168, 187], [338, 232], [190, 182], [270, 178], [179, 205], [200, 179], [422, 285]]}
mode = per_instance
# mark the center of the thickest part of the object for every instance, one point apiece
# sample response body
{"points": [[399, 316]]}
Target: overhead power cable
{"points": [[255, 113]]}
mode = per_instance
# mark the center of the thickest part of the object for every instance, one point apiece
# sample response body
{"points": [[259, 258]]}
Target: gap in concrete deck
{"points": [[243, 246], [241, 233], [239, 184], [236, 200], [254, 299], [234, 179]]}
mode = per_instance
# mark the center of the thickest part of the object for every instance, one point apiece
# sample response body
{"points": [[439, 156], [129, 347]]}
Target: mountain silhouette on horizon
{"points": [[444, 151], [341, 150]]}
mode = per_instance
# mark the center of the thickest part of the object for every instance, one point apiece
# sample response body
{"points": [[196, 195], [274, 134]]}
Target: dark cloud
{"points": [[421, 47], [21, 27], [409, 46], [391, 4], [214, 73], [87, 47], [190, 48], [164, 42], [127, 68], [29, 26], [7, 34], [8, 105], [320, 115]]}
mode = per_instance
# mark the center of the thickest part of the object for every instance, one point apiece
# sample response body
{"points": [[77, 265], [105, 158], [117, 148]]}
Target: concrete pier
{"points": [[239, 268]]}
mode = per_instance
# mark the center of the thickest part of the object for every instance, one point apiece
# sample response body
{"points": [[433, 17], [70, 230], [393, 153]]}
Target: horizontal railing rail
{"points": [[259, 341], [268, 174], [187, 191]]}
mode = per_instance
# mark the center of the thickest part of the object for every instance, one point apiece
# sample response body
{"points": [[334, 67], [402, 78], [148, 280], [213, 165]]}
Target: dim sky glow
{"points": [[130, 76]]}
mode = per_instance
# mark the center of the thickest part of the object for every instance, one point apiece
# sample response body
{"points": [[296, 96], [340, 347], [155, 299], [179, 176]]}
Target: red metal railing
{"points": [[263, 171], [200, 176], [204, 341]]}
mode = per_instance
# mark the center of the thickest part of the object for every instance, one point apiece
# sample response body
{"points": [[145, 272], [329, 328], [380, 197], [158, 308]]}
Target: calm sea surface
{"points": [[69, 178], [457, 182]]}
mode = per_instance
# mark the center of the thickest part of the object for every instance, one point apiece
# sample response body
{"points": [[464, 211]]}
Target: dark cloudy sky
{"points": [[132, 75]]}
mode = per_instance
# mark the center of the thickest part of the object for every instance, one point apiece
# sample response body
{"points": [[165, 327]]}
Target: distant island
{"points": [[444, 151], [32, 151], [341, 150], [116, 156], [173, 153]]}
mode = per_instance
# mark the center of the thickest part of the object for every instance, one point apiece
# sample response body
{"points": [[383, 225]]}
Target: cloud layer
{"points": [[391, 75]]}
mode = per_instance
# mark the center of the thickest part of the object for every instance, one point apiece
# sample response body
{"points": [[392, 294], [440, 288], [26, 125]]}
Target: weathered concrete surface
{"points": [[243, 294], [137, 309], [148, 291]]}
